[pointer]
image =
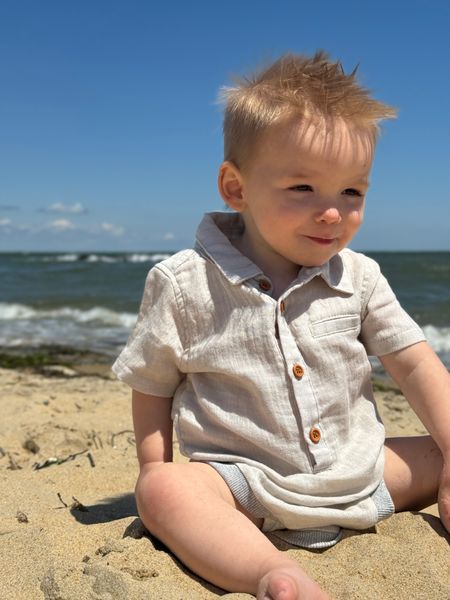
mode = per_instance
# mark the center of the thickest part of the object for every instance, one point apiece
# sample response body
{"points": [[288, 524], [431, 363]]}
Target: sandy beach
{"points": [[68, 523]]}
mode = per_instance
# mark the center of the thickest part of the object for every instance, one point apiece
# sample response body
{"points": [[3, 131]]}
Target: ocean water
{"points": [[90, 301]]}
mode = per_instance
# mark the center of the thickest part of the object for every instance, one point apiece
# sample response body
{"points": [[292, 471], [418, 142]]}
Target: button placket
{"points": [[304, 395]]}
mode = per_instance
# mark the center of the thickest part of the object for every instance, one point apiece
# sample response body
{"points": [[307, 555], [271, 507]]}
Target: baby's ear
{"points": [[230, 186]]}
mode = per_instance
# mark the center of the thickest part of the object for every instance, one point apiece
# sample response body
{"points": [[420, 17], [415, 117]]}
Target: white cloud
{"points": [[7, 226], [11, 227], [60, 225], [59, 207], [169, 236], [115, 230]]}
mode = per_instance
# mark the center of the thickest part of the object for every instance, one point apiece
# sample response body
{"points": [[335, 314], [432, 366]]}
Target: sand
{"points": [[70, 531]]}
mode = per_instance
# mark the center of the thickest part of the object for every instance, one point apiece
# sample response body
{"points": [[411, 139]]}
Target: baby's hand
{"points": [[444, 495]]}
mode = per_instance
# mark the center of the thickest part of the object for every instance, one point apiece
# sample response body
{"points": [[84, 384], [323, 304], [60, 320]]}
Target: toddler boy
{"points": [[254, 346]]}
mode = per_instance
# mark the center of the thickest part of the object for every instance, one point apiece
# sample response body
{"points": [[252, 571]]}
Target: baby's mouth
{"points": [[321, 240]]}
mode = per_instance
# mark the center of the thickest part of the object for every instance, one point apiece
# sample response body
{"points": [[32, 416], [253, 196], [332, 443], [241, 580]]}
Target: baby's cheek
{"points": [[356, 217]]}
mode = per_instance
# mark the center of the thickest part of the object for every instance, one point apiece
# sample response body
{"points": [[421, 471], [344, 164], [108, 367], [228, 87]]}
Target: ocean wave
{"points": [[104, 258], [148, 257], [63, 258], [14, 312], [135, 257], [97, 314], [438, 337], [99, 327], [35, 334]]}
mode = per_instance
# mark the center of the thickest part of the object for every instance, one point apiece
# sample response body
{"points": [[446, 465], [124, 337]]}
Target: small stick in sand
{"points": [[13, 464], [53, 460], [76, 505], [114, 435], [97, 440], [62, 501]]}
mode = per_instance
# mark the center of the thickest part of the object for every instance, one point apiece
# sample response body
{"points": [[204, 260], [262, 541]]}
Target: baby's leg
{"points": [[413, 466], [190, 508]]}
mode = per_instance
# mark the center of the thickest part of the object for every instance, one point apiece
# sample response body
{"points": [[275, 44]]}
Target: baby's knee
{"points": [[156, 492], [412, 471]]}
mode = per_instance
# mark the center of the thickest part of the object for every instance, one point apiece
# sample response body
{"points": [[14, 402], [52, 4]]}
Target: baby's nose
{"points": [[330, 215]]}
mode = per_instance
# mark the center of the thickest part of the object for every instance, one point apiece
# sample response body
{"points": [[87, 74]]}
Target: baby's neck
{"points": [[280, 286]]}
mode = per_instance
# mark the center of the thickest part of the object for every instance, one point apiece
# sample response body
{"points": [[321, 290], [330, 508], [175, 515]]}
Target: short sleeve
{"points": [[386, 327], [151, 362]]}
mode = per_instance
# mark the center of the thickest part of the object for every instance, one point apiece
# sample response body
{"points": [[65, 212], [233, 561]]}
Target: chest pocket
{"points": [[334, 325]]}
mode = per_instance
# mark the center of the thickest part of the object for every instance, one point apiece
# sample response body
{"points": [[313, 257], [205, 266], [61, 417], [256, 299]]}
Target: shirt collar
{"points": [[213, 241], [333, 272]]}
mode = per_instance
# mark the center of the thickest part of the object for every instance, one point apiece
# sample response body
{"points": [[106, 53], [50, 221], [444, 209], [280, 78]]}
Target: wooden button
{"points": [[264, 285], [314, 435], [298, 371], [282, 306]]}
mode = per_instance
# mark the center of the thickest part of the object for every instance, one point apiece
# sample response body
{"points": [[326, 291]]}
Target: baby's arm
{"points": [[152, 428], [425, 382]]}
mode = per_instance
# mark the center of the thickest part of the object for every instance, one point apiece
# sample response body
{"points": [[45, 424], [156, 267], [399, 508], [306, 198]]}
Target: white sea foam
{"points": [[131, 258], [104, 316], [139, 258], [156, 257], [98, 328], [104, 258], [64, 258], [50, 258], [136, 257], [33, 334], [12, 312], [438, 337]]}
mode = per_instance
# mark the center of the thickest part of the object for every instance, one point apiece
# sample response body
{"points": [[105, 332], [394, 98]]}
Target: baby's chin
{"points": [[318, 263]]}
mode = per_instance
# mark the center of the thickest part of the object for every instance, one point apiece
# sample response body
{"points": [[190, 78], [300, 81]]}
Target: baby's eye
{"points": [[301, 188], [352, 192]]}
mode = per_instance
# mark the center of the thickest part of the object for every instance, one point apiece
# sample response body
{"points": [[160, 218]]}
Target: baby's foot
{"points": [[289, 582]]}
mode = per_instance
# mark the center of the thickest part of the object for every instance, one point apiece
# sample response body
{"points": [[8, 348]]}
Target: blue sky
{"points": [[110, 136]]}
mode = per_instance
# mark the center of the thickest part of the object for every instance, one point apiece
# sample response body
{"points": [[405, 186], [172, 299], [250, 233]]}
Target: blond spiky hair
{"points": [[295, 86]]}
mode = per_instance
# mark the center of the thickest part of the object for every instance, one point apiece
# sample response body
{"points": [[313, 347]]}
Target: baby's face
{"points": [[303, 194]]}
